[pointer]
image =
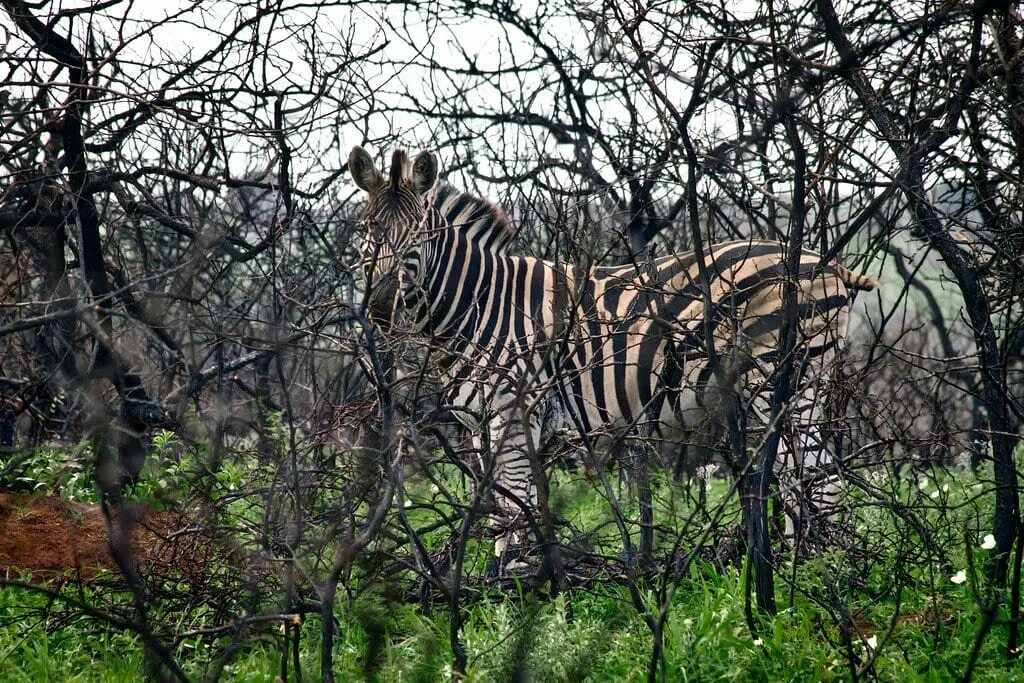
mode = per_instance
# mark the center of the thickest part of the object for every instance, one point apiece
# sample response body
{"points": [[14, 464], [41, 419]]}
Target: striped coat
{"points": [[623, 349]]}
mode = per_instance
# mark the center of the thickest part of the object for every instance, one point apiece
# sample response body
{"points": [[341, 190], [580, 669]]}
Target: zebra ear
{"points": [[424, 172], [366, 175]]}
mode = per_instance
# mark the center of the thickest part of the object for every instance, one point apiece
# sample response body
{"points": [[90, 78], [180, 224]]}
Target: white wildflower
{"points": [[934, 494], [988, 542], [922, 484], [871, 642], [758, 641], [945, 488], [959, 577]]}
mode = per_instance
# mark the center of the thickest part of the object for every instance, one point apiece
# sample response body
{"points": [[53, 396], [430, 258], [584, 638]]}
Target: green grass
{"points": [[33, 650], [605, 641], [906, 612]]}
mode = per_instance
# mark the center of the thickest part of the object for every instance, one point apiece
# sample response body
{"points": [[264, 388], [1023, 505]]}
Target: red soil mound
{"points": [[45, 535]]}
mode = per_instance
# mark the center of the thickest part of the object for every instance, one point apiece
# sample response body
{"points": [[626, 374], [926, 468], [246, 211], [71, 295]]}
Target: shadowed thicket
{"points": [[185, 335]]}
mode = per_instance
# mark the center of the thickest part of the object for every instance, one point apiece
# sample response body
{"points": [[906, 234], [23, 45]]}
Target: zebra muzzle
{"points": [[383, 298]]}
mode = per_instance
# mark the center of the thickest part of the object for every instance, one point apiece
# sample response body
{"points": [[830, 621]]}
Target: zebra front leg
{"points": [[515, 447]]}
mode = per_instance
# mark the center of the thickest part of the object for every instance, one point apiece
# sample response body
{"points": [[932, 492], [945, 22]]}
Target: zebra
{"points": [[622, 348]]}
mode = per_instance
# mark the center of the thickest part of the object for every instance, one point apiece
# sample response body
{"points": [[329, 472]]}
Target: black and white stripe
{"points": [[625, 348]]}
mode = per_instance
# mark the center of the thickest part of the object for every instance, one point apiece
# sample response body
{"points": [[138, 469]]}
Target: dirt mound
{"points": [[48, 536]]}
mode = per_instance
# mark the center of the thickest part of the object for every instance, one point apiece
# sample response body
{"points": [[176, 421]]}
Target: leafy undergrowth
{"points": [[900, 601], [928, 638]]}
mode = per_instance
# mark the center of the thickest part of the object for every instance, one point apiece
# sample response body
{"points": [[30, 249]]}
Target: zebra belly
{"points": [[625, 409]]}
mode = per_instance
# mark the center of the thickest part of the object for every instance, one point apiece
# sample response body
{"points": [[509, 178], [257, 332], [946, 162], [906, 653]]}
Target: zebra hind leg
{"points": [[640, 456], [809, 485]]}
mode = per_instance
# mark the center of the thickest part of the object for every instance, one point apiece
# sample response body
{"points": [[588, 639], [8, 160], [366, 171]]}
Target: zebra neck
{"points": [[463, 282]]}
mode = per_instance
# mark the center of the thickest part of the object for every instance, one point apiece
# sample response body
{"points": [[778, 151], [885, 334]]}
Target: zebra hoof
{"points": [[633, 560], [506, 564]]}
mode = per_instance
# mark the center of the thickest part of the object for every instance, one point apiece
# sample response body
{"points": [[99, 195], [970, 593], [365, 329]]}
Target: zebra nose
{"points": [[383, 294]]}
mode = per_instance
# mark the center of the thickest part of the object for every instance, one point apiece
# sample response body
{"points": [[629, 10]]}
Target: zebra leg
{"points": [[789, 475], [809, 485], [514, 445], [640, 453], [822, 483], [643, 488]]}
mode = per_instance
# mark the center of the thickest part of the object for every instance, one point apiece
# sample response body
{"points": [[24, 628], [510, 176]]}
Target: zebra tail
{"points": [[854, 280]]}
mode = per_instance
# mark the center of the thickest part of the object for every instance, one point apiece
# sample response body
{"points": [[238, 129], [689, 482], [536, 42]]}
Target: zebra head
{"points": [[392, 219]]}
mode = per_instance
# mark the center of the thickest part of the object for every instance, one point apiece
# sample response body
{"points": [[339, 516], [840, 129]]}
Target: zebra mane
{"points": [[478, 218]]}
